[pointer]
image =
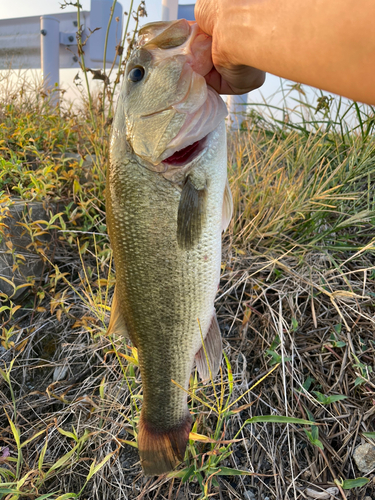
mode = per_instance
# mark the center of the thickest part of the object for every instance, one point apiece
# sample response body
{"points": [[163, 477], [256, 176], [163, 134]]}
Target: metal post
{"points": [[50, 48], [99, 17], [237, 107], [169, 9]]}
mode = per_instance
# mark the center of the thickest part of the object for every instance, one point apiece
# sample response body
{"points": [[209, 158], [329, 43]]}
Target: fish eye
{"points": [[136, 74]]}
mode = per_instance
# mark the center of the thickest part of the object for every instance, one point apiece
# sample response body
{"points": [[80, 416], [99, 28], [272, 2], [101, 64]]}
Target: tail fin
{"points": [[160, 451]]}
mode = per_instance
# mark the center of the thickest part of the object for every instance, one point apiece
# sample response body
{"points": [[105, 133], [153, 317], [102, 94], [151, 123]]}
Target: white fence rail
{"points": [[49, 42], [20, 40]]}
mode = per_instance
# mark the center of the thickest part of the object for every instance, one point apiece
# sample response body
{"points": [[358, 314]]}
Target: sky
{"points": [[23, 8]]}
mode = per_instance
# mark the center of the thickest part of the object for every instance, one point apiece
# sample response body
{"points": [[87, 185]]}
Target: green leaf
{"points": [[67, 496], [91, 471], [340, 343], [318, 443], [42, 454], [314, 432], [176, 473], [200, 480], [275, 343], [370, 435], [52, 220], [348, 484], [32, 438], [188, 473], [320, 397], [276, 358], [76, 187], [227, 471], [307, 383], [23, 480], [277, 272], [312, 437], [337, 328], [5, 375], [277, 419], [62, 460], [16, 433], [359, 381], [101, 388], [46, 495], [310, 415], [97, 467], [215, 482], [6, 474], [362, 343], [230, 373], [130, 443], [68, 434], [336, 397], [309, 435], [294, 324], [326, 400]]}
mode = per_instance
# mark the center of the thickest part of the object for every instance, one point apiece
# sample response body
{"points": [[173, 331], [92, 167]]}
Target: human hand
{"points": [[329, 45], [228, 76]]}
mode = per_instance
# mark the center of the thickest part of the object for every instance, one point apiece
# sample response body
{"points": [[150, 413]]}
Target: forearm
{"points": [[327, 44]]}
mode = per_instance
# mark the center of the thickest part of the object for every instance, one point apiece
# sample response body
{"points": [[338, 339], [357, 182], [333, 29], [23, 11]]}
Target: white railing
{"points": [[49, 42]]}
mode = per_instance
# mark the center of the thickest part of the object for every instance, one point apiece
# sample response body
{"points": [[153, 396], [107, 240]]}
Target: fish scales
{"points": [[165, 284], [164, 289]]}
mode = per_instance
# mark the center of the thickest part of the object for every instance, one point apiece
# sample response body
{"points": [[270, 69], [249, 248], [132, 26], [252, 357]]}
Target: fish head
{"points": [[167, 104]]}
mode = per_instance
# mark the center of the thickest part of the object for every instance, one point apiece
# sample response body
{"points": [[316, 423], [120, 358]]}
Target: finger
{"points": [[236, 80], [242, 79], [215, 80], [205, 15]]}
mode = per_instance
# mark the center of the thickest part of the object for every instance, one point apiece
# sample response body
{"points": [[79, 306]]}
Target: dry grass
{"points": [[297, 293]]}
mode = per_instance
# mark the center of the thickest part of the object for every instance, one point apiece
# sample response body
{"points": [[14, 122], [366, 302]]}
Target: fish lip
{"points": [[188, 154]]}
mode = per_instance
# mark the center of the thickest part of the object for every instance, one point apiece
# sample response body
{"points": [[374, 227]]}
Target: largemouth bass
{"points": [[168, 201]]}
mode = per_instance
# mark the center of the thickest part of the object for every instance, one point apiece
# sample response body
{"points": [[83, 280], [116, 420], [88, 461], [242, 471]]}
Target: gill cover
{"points": [[166, 101]]}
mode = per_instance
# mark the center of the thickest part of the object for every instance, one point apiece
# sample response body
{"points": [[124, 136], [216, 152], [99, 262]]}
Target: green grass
{"points": [[295, 305], [307, 186]]}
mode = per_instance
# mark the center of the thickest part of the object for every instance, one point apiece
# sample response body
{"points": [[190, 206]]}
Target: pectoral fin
{"points": [[191, 214], [213, 347], [227, 207]]}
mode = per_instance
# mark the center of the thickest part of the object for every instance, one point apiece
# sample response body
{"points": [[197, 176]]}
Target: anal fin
{"points": [[117, 324], [213, 347], [227, 207]]}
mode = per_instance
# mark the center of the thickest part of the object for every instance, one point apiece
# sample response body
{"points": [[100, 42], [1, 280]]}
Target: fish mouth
{"points": [[196, 127], [187, 154]]}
